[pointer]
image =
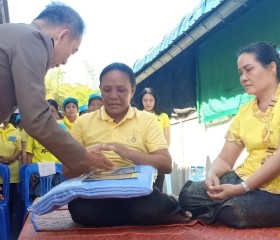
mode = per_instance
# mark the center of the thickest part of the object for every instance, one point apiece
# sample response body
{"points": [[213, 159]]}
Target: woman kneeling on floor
{"points": [[127, 137], [249, 196]]}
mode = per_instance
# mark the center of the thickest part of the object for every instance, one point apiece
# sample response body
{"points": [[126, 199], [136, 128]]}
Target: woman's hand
{"points": [[1, 196], [4, 160], [159, 159], [211, 180], [119, 149], [224, 191]]}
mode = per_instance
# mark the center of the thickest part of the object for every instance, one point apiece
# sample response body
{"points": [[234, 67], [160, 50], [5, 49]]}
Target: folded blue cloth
{"points": [[73, 188]]}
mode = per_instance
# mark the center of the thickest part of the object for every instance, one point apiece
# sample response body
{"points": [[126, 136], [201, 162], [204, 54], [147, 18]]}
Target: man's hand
{"points": [[95, 158]]}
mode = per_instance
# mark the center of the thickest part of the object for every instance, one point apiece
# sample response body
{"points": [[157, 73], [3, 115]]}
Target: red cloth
{"points": [[194, 231]]}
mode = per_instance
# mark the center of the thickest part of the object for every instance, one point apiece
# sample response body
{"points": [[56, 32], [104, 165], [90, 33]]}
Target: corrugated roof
{"points": [[178, 32]]}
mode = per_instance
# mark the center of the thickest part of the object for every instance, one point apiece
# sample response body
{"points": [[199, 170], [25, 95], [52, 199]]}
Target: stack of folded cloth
{"points": [[70, 189]]}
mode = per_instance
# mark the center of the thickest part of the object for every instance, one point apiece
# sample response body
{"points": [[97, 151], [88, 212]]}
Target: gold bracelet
{"points": [[245, 187]]}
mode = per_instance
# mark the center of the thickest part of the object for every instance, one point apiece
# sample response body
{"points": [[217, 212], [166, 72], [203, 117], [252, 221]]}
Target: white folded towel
{"points": [[46, 168]]}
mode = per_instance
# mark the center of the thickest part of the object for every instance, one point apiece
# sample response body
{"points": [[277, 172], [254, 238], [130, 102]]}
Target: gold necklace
{"points": [[266, 117]]}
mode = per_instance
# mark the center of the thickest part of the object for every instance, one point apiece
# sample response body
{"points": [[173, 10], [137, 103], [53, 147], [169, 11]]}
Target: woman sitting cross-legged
{"points": [[248, 196], [127, 137]]}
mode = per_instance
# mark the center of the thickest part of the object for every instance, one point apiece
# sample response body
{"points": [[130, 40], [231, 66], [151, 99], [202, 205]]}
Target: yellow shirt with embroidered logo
{"points": [[256, 131], [138, 130], [39, 152], [10, 142]]}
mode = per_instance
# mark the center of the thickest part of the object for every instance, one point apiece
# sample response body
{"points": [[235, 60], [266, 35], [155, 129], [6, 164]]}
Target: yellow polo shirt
{"points": [[39, 152], [10, 142], [162, 120], [23, 135], [138, 130], [256, 131]]}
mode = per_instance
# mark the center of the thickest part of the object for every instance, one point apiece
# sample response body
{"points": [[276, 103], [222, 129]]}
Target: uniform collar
{"points": [[104, 116], [9, 127]]}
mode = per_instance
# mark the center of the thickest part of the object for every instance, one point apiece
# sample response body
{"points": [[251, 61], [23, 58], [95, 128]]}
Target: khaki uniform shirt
{"points": [[25, 56]]}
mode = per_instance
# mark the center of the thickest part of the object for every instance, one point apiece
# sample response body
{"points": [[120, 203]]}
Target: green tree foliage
{"points": [[58, 89], [91, 74], [54, 82]]}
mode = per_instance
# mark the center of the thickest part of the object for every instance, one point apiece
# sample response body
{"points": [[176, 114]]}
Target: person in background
{"points": [[52, 37], [36, 153], [24, 136], [149, 101], [10, 150], [18, 124], [70, 109], [83, 109], [248, 196], [35, 148], [94, 102], [13, 117], [54, 109], [136, 139]]}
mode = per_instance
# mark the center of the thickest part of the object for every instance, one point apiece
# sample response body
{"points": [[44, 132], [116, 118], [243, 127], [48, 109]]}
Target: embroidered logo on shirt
{"points": [[132, 140], [44, 151], [12, 138]]}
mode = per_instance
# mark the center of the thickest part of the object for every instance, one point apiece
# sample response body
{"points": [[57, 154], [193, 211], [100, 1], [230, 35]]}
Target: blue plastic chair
{"points": [[45, 182], [5, 225], [21, 196]]}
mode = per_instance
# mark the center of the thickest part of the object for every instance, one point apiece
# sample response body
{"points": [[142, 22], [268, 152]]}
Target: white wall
{"points": [[192, 143]]}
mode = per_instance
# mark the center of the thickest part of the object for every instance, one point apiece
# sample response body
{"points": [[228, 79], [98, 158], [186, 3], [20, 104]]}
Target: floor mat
{"points": [[56, 220], [59, 225]]}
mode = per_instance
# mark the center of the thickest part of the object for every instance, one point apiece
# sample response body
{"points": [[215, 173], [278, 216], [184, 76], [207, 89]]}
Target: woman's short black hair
{"points": [[120, 67]]}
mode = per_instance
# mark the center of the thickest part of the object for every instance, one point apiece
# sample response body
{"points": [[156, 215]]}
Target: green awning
{"points": [[219, 92]]}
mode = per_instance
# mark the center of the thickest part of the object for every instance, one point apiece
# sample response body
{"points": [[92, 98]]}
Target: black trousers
{"points": [[160, 181], [156, 208], [255, 209], [13, 195]]}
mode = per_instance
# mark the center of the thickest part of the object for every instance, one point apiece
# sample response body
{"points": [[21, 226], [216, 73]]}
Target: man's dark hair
{"points": [[59, 14]]}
